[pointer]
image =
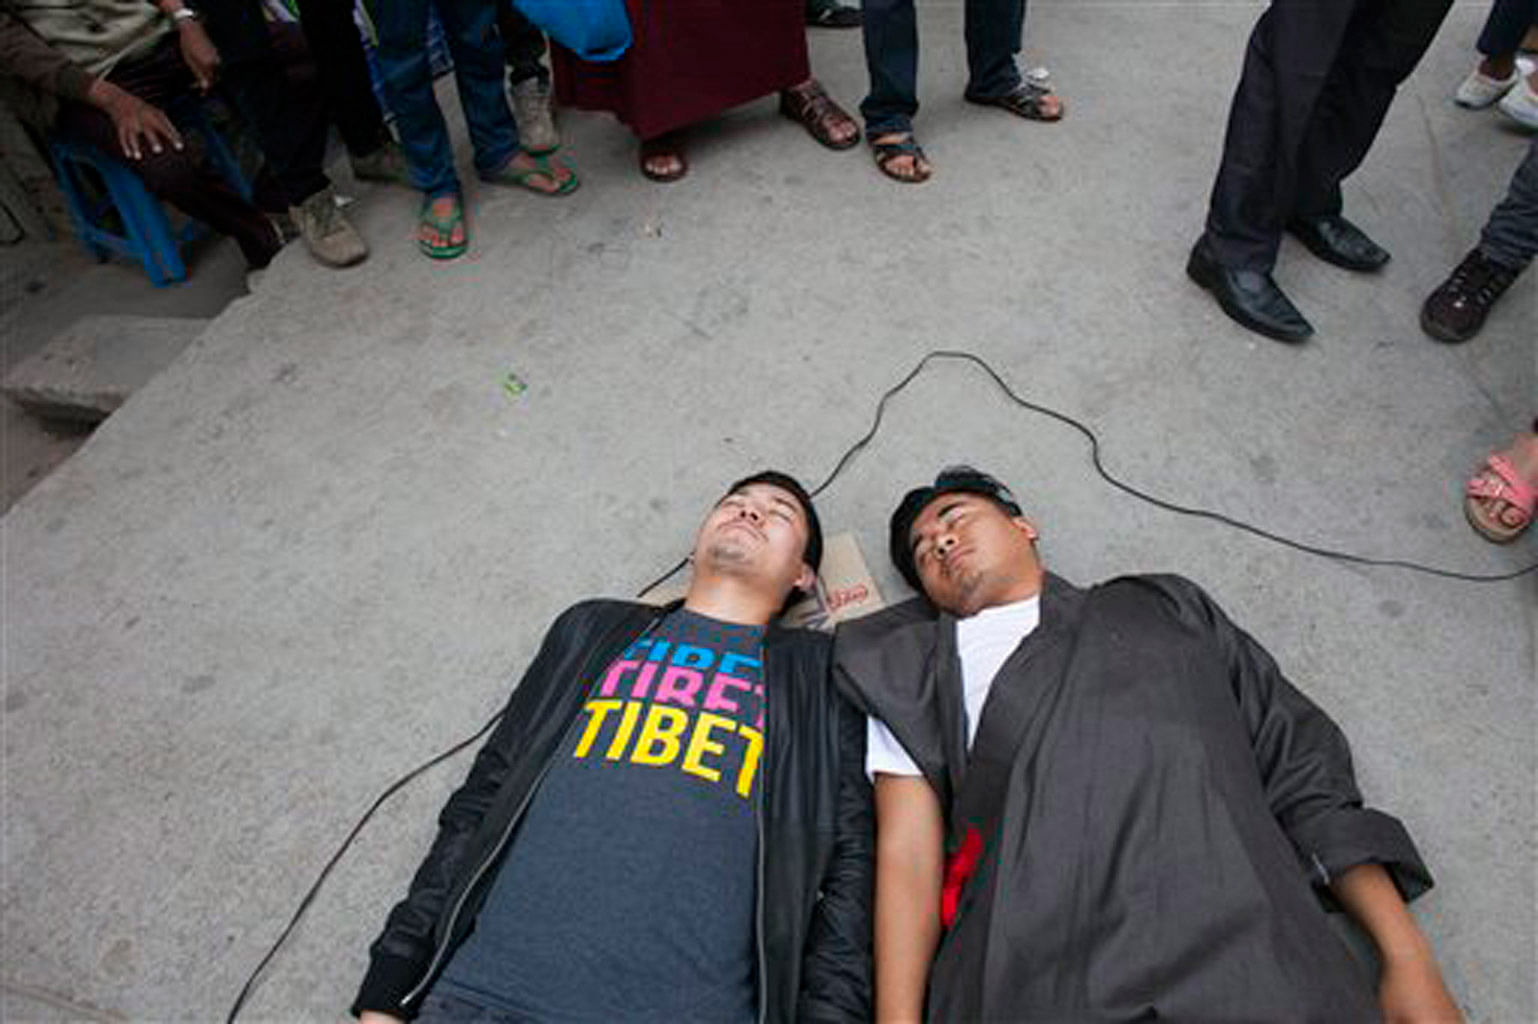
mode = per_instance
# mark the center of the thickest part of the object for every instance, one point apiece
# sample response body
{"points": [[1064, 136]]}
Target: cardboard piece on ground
{"points": [[845, 588]]}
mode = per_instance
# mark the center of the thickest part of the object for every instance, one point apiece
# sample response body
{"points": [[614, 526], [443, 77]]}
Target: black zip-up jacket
{"points": [[813, 913]]}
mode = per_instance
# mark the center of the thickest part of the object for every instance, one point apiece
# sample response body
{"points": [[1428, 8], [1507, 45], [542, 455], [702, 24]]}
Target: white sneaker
{"points": [[1479, 90], [1521, 105], [330, 238]]}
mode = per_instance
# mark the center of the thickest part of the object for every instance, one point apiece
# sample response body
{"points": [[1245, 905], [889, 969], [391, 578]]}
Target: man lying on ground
{"points": [[670, 823], [1142, 815]]}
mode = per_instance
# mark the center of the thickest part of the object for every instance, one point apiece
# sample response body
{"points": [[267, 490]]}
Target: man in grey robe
{"points": [[1108, 804]]}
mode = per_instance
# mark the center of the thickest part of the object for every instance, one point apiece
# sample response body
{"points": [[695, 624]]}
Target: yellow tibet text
{"points": [[658, 735]]}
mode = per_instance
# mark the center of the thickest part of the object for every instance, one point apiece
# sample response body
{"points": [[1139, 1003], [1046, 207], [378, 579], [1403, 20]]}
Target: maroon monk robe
{"points": [[691, 60]]}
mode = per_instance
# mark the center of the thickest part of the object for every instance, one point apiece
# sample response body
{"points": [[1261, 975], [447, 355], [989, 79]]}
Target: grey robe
{"points": [[1160, 814]]}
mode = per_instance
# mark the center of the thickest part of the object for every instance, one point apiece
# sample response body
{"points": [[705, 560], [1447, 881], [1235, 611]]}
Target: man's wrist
{"points": [[1407, 950], [178, 12], [101, 92]]}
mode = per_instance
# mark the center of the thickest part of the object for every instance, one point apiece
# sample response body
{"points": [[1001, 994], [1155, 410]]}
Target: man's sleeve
{"points": [[884, 753], [836, 971], [401, 954], [25, 56], [1305, 765]]}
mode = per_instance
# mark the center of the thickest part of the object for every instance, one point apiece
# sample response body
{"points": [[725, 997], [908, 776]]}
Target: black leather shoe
{"points": [[1336, 240], [1249, 297]]}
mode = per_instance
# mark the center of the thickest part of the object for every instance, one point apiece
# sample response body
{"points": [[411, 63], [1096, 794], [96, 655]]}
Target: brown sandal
{"points": [[663, 145], [812, 108]]}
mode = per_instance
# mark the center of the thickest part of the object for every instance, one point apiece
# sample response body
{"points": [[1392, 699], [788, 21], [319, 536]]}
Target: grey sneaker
{"points": [[386, 164], [531, 107], [331, 239]]}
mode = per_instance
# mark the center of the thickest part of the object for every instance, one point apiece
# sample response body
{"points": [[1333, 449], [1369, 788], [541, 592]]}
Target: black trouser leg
{"points": [[1381, 48], [993, 32], [1508, 22], [337, 50], [1290, 55], [523, 43], [176, 176], [289, 119]]}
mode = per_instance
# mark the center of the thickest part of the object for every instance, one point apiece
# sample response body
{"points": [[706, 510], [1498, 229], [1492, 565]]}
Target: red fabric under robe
{"points": [[691, 60]]}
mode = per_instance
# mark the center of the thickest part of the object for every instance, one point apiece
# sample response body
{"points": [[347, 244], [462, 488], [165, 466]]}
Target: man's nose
{"points": [[748, 511], [945, 542]]}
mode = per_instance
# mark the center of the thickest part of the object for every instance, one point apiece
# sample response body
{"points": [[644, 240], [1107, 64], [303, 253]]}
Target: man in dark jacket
{"points": [[1142, 815], [671, 822]]}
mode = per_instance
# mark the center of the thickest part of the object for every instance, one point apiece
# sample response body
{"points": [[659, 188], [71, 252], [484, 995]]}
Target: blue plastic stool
{"points": [[143, 231]]}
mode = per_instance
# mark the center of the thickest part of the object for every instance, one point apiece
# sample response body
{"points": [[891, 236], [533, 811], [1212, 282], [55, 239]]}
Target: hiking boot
{"points": [[531, 109], [1456, 311], [331, 239], [386, 163]]}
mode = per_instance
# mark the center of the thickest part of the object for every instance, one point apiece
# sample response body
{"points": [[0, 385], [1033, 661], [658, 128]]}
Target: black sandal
{"points": [[886, 152], [663, 145], [1025, 100]]}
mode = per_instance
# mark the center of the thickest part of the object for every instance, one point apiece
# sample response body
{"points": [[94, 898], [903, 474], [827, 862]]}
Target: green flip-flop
{"points": [[507, 174], [444, 226]]}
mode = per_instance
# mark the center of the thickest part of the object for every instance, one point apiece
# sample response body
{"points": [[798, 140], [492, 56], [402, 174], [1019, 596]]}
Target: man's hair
{"points": [[950, 480], [812, 553]]}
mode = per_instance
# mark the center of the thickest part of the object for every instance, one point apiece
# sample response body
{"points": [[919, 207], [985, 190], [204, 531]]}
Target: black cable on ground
{"points": [[838, 468], [325, 872]]}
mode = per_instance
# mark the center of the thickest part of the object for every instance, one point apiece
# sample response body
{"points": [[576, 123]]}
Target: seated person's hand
{"points": [[139, 125], [199, 52]]}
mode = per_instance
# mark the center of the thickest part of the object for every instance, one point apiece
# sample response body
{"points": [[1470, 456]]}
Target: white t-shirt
{"points": [[983, 642]]}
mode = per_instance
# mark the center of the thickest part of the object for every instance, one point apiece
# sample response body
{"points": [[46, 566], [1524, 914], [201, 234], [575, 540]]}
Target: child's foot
{"points": [[1499, 499]]}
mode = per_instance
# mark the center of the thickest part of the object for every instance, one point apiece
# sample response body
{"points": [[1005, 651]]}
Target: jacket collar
{"points": [[774, 632], [1062, 605]]}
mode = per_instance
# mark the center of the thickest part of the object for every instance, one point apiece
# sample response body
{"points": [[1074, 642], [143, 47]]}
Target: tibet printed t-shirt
{"points": [[627, 892]]}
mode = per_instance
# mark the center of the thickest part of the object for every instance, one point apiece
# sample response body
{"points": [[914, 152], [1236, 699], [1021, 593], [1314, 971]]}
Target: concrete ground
{"points": [[315, 552], [45, 286]]}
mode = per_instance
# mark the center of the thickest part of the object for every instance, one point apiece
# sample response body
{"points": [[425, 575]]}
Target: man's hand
{"points": [[199, 52], [139, 124], [1411, 991], [375, 1017]]}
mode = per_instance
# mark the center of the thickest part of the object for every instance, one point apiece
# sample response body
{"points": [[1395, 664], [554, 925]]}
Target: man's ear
{"points": [[806, 580], [1026, 526]]}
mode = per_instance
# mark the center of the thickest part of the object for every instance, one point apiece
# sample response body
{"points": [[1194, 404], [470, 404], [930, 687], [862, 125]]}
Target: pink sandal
{"points": [[1499, 481]]}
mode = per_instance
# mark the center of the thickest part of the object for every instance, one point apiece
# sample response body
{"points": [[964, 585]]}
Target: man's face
{"points": [[971, 554], [757, 532]]}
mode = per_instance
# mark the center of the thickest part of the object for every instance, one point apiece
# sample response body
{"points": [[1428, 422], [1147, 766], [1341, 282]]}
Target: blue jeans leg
{"points": [[1510, 237], [470, 29], [408, 85], [891, 35]]}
